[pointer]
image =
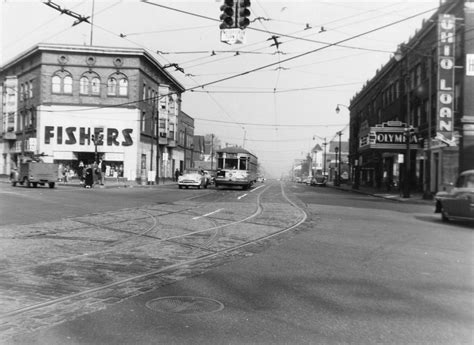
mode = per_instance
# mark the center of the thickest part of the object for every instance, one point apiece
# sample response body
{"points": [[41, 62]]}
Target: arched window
{"points": [[84, 86], [123, 87], [67, 84], [112, 87], [61, 82], [56, 84], [95, 89]]}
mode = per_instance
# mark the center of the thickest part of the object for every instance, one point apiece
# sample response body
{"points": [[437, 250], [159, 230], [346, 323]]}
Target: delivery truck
{"points": [[34, 173]]}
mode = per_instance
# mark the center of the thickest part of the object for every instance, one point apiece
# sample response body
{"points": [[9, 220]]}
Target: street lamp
{"points": [[339, 166], [336, 179], [97, 141], [339, 109]]}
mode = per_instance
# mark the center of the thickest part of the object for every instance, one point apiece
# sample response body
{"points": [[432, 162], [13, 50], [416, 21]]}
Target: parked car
{"points": [[319, 180], [459, 202], [193, 178]]}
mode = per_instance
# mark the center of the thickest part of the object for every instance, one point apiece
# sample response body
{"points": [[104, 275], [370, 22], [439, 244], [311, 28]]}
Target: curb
{"points": [[391, 198]]}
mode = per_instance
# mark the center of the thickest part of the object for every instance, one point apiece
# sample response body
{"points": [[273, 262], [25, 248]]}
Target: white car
{"points": [[193, 178]]}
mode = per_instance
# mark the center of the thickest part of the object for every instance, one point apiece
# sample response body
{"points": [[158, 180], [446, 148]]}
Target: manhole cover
{"points": [[184, 305]]}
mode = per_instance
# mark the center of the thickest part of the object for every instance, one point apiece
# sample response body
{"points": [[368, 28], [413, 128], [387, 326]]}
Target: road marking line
{"points": [[208, 214], [257, 188], [240, 197]]}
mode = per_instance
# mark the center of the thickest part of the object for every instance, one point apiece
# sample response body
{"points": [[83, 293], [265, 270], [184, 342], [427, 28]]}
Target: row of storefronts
{"points": [[412, 124]]}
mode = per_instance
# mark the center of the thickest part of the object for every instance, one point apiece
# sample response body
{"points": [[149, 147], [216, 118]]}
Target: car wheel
{"points": [[51, 184], [180, 187], [205, 186], [199, 187]]}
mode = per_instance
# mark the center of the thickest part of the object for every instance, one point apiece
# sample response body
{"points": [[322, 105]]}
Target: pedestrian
{"points": [[102, 170], [95, 170], [89, 176], [65, 173], [176, 175], [80, 172]]}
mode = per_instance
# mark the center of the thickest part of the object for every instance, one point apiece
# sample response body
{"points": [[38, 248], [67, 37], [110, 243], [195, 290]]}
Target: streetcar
{"points": [[235, 167]]}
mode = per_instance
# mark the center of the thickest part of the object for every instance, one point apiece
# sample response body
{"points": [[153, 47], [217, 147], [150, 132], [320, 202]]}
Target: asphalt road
{"points": [[359, 270]]}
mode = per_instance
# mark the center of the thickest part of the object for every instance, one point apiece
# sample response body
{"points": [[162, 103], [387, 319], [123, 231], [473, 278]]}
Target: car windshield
{"points": [[466, 181], [192, 171]]}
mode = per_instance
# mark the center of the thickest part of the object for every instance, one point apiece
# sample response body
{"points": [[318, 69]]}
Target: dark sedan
{"points": [[459, 202]]}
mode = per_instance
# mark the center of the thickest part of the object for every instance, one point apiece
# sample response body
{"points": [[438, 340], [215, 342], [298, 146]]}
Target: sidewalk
{"points": [[415, 197], [109, 183]]}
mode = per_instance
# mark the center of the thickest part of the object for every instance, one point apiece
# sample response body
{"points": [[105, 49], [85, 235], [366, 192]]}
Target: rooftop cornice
{"points": [[50, 47]]}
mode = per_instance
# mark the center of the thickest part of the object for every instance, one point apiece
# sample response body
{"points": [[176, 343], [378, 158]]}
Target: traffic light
{"points": [[227, 16], [243, 13]]}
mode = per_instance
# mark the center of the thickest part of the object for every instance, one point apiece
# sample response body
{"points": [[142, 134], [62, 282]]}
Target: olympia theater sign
{"points": [[391, 135]]}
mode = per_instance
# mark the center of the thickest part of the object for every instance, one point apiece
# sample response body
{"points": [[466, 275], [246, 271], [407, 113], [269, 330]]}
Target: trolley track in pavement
{"points": [[230, 232]]}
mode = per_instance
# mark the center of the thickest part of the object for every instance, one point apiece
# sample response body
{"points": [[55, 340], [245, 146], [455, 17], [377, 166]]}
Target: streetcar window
{"points": [[231, 163], [220, 163], [243, 163]]}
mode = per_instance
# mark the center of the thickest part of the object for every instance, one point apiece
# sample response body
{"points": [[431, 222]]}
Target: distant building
{"points": [[79, 103], [185, 140]]}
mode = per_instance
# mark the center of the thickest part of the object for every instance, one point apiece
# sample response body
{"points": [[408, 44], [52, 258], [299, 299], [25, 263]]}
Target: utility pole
{"points": [[427, 194], [324, 162], [92, 20], [158, 157], [407, 180], [212, 151], [340, 151]]}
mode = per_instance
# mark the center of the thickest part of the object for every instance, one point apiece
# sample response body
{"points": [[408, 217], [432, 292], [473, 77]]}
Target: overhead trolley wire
{"points": [[284, 60]]}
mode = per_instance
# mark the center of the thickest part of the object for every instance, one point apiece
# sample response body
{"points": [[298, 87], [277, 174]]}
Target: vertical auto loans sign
{"points": [[446, 58]]}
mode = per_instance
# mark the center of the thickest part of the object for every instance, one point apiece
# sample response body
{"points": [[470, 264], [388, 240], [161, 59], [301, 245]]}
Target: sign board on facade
{"points": [[446, 58], [390, 135], [470, 65]]}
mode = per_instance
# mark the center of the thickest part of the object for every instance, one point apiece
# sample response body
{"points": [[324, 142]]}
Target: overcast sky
{"points": [[281, 109]]}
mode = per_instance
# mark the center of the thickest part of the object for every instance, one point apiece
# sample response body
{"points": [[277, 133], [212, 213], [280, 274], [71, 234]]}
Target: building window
{"points": [[418, 75], [95, 86], [31, 89], [144, 92], [171, 131], [84, 86], [117, 85], [61, 82], [112, 87], [123, 87], [67, 84], [56, 84], [143, 122], [457, 96]]}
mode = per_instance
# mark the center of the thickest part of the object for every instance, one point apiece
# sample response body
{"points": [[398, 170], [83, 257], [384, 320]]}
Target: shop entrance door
{"points": [[86, 157]]}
